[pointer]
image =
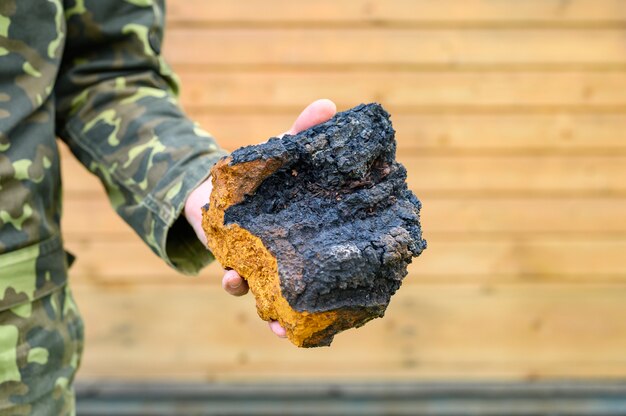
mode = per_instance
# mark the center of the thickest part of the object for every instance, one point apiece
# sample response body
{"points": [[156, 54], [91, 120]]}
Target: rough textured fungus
{"points": [[321, 223]]}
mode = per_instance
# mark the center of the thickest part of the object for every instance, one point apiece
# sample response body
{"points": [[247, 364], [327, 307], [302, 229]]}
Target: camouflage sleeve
{"points": [[118, 112]]}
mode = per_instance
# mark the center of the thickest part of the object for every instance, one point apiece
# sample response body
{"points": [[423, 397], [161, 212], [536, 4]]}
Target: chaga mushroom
{"points": [[321, 224]]}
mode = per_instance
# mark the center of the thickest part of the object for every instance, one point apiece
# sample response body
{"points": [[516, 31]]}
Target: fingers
{"points": [[317, 112], [234, 284], [277, 329], [237, 286]]}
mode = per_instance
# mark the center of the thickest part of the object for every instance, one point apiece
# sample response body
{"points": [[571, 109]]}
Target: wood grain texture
{"points": [[479, 175], [396, 11], [482, 217], [396, 47], [406, 91], [452, 131], [511, 121], [453, 259], [439, 331]]}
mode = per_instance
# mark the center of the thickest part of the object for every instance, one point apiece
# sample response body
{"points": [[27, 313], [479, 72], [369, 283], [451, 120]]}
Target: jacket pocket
{"points": [[32, 272]]}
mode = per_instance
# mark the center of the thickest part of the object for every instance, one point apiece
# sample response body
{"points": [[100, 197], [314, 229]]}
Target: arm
{"points": [[117, 111]]}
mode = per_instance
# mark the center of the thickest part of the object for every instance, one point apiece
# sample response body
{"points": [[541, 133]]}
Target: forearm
{"points": [[118, 112]]}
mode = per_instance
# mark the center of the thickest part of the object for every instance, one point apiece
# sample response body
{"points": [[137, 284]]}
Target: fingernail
{"points": [[278, 329], [235, 283]]}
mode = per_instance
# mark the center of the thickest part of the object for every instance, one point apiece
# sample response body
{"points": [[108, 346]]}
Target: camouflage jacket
{"points": [[90, 72]]}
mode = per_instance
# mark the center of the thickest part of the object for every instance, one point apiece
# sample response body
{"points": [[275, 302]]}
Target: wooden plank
{"points": [[91, 214], [514, 175], [404, 91], [429, 331], [461, 259], [400, 47], [451, 133], [455, 132], [516, 148], [520, 215], [413, 11], [477, 175]]}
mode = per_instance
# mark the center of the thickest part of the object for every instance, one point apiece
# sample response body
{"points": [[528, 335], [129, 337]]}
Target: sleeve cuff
{"points": [[174, 239]]}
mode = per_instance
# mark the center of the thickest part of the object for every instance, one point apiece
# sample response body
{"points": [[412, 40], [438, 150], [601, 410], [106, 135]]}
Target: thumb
{"points": [[315, 113]]}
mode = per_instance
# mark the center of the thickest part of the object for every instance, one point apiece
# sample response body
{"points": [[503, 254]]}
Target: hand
{"points": [[317, 112]]}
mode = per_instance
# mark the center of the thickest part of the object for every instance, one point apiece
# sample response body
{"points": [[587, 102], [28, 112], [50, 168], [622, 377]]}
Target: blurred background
{"points": [[511, 121]]}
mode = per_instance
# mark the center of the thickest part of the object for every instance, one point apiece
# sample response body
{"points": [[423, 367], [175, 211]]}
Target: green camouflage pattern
{"points": [[90, 72], [40, 349]]}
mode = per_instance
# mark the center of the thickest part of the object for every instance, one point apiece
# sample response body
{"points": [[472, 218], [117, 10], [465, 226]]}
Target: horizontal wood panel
{"points": [[404, 91], [541, 175], [563, 133], [505, 11], [429, 331], [537, 259], [212, 47], [88, 215], [511, 175], [451, 133], [510, 119]]}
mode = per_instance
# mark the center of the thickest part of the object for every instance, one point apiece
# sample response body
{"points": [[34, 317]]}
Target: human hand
{"points": [[317, 112]]}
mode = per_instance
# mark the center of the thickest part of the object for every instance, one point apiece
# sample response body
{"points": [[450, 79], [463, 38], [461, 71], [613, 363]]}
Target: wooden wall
{"points": [[511, 120]]}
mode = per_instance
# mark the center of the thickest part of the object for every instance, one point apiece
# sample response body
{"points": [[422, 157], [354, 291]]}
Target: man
{"points": [[89, 72]]}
